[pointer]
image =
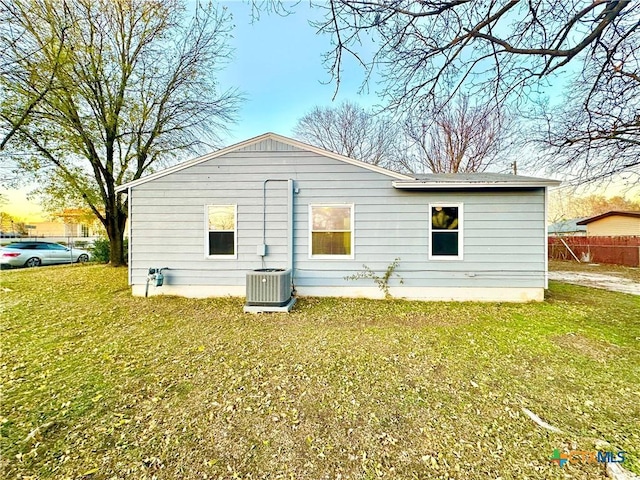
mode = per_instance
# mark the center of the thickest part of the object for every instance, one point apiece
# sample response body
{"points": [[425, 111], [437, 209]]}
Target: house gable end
{"points": [[269, 142], [269, 145]]}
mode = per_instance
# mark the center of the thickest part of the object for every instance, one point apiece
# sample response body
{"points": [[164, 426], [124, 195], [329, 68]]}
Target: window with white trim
{"points": [[331, 231], [221, 231], [445, 231]]}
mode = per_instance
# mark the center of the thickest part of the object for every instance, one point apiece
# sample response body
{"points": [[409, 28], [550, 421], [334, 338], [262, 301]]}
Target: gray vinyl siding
{"points": [[504, 231], [269, 145]]}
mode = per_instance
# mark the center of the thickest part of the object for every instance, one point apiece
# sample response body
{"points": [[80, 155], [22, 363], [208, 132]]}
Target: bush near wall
{"points": [[612, 250], [102, 248]]}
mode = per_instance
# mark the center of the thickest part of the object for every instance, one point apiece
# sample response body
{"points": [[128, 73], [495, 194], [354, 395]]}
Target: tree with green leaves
{"points": [[11, 225], [96, 93]]}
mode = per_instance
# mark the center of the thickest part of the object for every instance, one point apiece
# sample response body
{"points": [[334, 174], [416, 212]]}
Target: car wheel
{"points": [[33, 262], [83, 258]]}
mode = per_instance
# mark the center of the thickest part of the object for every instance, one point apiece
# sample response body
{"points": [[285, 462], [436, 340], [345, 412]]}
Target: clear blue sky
{"points": [[278, 66]]}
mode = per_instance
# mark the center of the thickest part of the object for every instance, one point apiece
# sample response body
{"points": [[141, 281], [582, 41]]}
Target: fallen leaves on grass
{"points": [[176, 388]]}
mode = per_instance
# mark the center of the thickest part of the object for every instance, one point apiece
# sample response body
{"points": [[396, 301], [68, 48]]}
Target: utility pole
{"points": [[515, 167]]}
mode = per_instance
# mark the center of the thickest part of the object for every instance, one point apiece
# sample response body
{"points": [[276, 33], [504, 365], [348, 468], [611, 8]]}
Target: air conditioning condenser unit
{"points": [[269, 290]]}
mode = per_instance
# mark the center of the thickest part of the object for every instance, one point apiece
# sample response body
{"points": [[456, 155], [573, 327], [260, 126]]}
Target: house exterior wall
{"points": [[55, 229], [504, 231], [615, 225]]}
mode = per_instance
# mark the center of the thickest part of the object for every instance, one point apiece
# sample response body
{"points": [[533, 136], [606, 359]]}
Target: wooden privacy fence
{"points": [[616, 250]]}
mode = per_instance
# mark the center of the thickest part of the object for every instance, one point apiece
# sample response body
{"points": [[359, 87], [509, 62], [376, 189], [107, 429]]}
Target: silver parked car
{"points": [[34, 254]]}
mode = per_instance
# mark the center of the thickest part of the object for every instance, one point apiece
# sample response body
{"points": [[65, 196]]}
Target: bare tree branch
{"points": [[460, 138], [351, 131], [505, 51]]}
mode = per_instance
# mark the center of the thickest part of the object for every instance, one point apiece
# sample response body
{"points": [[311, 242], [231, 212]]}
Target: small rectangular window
{"points": [[221, 229], [445, 231], [331, 231]]}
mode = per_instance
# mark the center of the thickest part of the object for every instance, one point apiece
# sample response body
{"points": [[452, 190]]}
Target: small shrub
{"points": [[381, 281], [101, 250]]}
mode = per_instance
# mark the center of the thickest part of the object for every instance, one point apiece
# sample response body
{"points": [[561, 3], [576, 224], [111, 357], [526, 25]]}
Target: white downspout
{"points": [[546, 239], [290, 215], [130, 231], [290, 241]]}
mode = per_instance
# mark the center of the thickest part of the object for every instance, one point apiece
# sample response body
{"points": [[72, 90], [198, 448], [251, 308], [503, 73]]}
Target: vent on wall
{"points": [[269, 287]]}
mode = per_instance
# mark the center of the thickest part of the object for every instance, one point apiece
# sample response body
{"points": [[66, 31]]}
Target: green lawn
{"points": [[98, 384]]}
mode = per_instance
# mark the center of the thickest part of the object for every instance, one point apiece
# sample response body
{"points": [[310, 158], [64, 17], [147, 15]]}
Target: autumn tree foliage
{"points": [[95, 93], [564, 206]]}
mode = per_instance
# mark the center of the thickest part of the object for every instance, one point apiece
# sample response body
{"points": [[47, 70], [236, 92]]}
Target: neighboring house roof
{"points": [[620, 213], [76, 215], [473, 180], [569, 225], [254, 140]]}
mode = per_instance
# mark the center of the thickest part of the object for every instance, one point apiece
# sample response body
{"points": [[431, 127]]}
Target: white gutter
{"points": [[466, 185], [129, 209]]}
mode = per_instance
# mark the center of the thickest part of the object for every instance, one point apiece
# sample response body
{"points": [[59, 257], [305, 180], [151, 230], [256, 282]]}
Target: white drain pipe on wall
{"points": [[262, 249], [290, 192]]}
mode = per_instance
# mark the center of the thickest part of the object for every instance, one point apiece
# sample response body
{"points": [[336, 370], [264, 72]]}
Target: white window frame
{"points": [[353, 231], [460, 230], [235, 231]]}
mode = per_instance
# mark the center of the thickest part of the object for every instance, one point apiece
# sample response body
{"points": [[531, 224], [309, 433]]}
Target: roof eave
{"points": [[595, 218], [265, 136], [466, 185], [189, 163], [337, 156]]}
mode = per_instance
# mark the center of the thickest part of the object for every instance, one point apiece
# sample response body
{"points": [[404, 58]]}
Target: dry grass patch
{"points": [[632, 273], [596, 349]]}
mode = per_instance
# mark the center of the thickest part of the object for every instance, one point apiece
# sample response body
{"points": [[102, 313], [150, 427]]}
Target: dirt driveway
{"points": [[597, 280]]}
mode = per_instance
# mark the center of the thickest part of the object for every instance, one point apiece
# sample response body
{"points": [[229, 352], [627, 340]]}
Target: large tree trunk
{"points": [[116, 249], [116, 222]]}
